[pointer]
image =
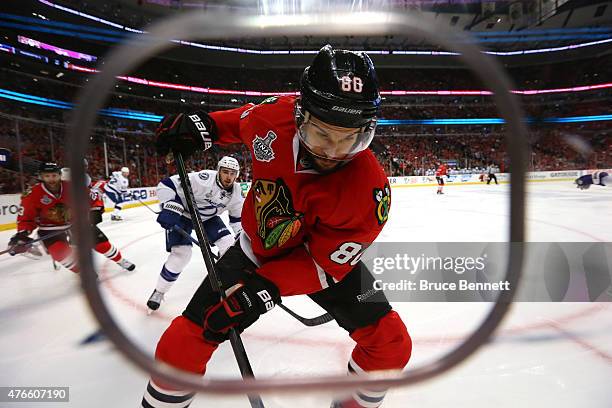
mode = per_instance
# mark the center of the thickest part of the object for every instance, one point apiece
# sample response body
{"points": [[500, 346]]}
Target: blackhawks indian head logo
{"points": [[382, 198], [277, 220], [59, 213]]}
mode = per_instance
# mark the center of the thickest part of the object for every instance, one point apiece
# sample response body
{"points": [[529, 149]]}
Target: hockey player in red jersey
{"points": [[46, 207], [441, 172], [318, 199]]}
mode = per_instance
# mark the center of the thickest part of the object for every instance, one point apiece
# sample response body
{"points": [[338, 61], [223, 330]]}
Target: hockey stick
{"points": [[234, 337], [310, 322], [193, 240], [27, 244], [150, 209], [313, 321], [180, 231]]}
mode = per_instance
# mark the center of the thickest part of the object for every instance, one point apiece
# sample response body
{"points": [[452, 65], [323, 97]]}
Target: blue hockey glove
{"points": [[170, 214], [583, 183]]}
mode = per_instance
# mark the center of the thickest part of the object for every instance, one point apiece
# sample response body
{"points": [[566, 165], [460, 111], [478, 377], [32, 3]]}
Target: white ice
{"points": [[544, 355]]}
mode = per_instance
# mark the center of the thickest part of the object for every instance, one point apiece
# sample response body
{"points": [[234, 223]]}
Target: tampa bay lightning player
{"points": [[115, 189], [214, 193], [598, 178]]}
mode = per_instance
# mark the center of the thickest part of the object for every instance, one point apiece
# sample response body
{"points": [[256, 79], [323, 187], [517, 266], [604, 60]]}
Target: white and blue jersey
{"points": [[116, 187], [601, 178], [598, 178], [211, 201]]}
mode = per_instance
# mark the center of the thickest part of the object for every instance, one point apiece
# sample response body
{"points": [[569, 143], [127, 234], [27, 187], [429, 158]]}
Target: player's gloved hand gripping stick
{"points": [[20, 242], [313, 321]]}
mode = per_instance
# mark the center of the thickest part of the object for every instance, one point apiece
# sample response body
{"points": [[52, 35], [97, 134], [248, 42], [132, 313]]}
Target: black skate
{"points": [[155, 301], [127, 265]]}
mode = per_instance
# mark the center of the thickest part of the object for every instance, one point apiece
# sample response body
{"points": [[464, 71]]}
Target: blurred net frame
{"points": [[224, 25]]}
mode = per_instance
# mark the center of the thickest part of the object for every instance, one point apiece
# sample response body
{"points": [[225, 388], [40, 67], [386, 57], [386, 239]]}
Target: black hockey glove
{"points": [[185, 133], [242, 307], [19, 243]]}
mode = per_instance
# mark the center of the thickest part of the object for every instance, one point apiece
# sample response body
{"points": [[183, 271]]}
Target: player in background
{"points": [[598, 178], [115, 188], [491, 169], [319, 198], [46, 207], [441, 172], [215, 192], [102, 244]]}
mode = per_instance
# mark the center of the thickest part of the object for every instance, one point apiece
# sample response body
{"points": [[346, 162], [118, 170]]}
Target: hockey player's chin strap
{"points": [[218, 181]]}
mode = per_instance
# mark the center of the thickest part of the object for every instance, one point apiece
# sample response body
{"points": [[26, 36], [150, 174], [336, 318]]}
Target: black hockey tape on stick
{"points": [[313, 321], [330, 22], [237, 346]]}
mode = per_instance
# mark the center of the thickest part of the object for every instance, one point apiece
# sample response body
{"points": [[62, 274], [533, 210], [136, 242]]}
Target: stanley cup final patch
{"points": [[262, 147]]}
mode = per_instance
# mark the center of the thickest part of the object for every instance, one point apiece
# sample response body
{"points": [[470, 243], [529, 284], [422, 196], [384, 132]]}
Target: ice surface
{"points": [[545, 354]]}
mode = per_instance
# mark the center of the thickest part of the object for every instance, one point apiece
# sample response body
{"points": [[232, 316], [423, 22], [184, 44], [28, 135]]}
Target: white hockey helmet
{"points": [[125, 170], [229, 163], [65, 175]]}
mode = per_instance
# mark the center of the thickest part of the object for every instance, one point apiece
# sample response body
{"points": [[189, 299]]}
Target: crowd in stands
{"points": [[557, 148], [402, 150], [469, 149]]}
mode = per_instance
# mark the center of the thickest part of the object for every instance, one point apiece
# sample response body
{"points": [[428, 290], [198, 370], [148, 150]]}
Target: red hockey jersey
{"points": [[441, 171], [96, 191], [305, 229], [42, 209]]}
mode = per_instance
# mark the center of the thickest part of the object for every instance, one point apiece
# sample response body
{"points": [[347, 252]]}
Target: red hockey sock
{"points": [[61, 252], [384, 345], [183, 346], [108, 250]]}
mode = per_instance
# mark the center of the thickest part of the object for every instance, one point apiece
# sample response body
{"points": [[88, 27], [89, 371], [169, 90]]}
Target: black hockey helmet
{"points": [[340, 87], [49, 167]]}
